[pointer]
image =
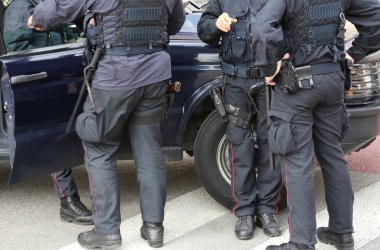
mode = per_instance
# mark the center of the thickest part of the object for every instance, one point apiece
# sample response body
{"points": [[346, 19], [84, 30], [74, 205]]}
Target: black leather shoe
{"points": [[73, 210], [340, 241], [269, 224], [290, 246], [91, 240], [244, 227], [153, 232]]}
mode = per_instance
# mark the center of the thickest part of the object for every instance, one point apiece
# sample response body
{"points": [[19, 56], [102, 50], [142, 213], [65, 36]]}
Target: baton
{"points": [[269, 121], [88, 71]]}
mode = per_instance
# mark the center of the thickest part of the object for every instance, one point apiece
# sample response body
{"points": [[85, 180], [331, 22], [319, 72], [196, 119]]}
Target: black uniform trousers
{"points": [[64, 184], [313, 120], [252, 194], [122, 109]]}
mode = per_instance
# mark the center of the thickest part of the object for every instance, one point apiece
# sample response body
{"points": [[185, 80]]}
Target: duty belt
{"points": [[133, 50], [306, 72], [241, 71]]}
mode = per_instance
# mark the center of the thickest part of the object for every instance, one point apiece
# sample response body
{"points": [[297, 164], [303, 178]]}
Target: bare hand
{"points": [[269, 79], [224, 22], [349, 59], [30, 24]]}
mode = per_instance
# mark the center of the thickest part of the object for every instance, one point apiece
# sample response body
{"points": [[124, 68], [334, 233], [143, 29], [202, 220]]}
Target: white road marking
{"points": [[203, 209], [366, 220], [197, 203]]}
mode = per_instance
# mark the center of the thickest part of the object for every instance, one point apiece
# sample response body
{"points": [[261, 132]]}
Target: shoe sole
{"points": [[65, 218], [244, 237], [265, 230], [350, 246], [103, 245], [154, 244]]}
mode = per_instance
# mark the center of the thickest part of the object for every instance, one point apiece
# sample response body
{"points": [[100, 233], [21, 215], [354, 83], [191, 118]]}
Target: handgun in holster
{"points": [[287, 79], [218, 102], [173, 87]]}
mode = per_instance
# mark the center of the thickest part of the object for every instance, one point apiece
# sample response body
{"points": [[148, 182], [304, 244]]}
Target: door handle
{"points": [[28, 78]]}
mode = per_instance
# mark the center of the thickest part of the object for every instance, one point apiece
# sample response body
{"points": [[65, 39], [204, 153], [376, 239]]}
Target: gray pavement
{"points": [[30, 211]]}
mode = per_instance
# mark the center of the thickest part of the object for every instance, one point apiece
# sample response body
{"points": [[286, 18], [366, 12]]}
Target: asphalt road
{"points": [[29, 217]]}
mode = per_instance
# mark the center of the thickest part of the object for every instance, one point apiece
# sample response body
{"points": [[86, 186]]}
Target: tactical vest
{"points": [[136, 27], [236, 44], [319, 22]]}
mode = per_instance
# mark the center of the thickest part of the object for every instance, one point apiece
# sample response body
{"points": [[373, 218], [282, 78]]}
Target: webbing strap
{"points": [[238, 117]]}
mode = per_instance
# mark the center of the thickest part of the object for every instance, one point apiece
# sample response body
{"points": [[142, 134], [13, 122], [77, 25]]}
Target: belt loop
{"points": [[234, 70]]}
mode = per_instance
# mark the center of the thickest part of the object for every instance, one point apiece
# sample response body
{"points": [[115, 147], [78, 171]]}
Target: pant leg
{"points": [[330, 119], [268, 180], [100, 161], [241, 149], [295, 111], [146, 141], [64, 184], [100, 158]]}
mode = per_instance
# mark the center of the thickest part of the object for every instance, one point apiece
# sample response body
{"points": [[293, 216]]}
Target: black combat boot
{"points": [[91, 240], [269, 223], [73, 210], [290, 246], [153, 232], [340, 241], [244, 227]]}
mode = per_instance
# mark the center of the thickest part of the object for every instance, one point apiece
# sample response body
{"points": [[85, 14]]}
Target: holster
{"points": [[347, 72], [173, 87], [218, 102], [287, 78]]}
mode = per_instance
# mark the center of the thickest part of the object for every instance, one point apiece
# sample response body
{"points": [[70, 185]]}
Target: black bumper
{"points": [[364, 127]]}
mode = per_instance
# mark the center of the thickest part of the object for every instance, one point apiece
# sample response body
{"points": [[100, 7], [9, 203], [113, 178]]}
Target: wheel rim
{"points": [[222, 160]]}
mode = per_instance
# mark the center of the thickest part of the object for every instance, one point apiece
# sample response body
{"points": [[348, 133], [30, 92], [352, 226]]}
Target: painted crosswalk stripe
{"points": [[197, 203], [204, 210], [366, 220]]}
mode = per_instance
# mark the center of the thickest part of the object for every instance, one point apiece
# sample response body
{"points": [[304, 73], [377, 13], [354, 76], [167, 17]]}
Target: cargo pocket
{"points": [[280, 133], [90, 126], [345, 122]]}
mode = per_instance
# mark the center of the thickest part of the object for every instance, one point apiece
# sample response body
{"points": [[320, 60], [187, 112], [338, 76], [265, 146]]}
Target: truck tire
{"points": [[211, 160]]}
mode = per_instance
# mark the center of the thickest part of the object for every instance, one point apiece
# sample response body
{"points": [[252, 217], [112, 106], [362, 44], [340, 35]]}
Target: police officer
{"points": [[232, 21], [308, 109], [128, 90], [17, 36]]}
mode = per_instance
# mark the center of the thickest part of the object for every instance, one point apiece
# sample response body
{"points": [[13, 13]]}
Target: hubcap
{"points": [[222, 160]]}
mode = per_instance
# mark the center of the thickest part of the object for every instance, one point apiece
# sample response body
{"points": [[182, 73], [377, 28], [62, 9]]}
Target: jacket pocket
{"points": [[280, 133], [90, 126]]}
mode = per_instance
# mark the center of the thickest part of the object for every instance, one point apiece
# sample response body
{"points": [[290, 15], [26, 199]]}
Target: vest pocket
{"points": [[280, 133]]}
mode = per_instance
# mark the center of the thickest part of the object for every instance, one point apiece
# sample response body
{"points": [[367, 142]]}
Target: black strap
{"points": [[307, 72], [238, 117], [237, 112], [133, 50], [241, 71], [325, 68]]}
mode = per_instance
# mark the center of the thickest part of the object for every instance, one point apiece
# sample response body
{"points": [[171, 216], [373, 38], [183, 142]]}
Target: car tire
{"points": [[208, 143], [211, 160]]}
